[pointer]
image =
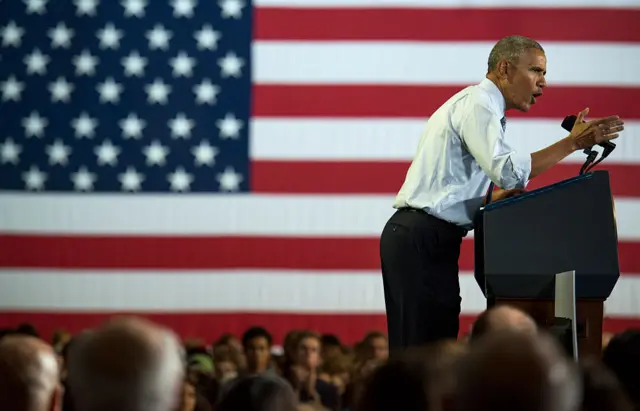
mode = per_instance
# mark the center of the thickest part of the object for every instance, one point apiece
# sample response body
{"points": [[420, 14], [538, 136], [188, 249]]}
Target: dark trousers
{"points": [[419, 255]]}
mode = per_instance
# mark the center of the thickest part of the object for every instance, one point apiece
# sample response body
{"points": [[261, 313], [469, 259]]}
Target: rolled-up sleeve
{"points": [[482, 134]]}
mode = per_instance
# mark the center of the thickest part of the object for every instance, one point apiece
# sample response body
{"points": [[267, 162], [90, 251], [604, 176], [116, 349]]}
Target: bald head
{"points": [[29, 374], [519, 371], [502, 318], [128, 365]]}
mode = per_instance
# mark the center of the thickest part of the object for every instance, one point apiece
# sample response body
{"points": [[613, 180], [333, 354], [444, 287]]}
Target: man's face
{"points": [[258, 353], [308, 353], [524, 80]]}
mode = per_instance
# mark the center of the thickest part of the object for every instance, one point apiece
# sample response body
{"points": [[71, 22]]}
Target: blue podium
{"points": [[522, 243]]}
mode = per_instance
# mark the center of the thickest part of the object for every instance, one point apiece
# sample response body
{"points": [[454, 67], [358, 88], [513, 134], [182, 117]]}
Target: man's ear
{"points": [[503, 67]]}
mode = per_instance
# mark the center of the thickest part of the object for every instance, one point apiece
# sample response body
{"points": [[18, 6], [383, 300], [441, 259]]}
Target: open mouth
{"points": [[534, 96]]}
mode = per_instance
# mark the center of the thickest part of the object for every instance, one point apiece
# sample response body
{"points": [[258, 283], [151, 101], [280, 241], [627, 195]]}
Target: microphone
{"points": [[570, 121], [608, 146]]}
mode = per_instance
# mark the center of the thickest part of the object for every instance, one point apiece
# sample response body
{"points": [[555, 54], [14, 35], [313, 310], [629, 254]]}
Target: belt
{"points": [[462, 230]]}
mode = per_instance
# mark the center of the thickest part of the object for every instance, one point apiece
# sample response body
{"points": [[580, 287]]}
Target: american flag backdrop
{"points": [[218, 164]]}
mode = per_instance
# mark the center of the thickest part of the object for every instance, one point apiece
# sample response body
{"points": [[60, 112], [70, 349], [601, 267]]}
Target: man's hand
{"points": [[501, 194], [586, 134]]}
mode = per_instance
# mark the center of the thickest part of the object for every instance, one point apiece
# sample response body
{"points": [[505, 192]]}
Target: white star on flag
{"points": [[12, 34], [229, 127], [205, 154], [207, 38], [229, 180], [84, 125], [83, 179], [156, 153], [132, 126], [34, 125], [11, 89], [181, 126], [231, 8], [183, 8], [86, 7], [159, 37], [158, 92], [109, 91], [131, 180], [134, 64], [134, 8], [107, 153], [60, 90], [206, 92], [85, 63], [61, 36], [110, 37], [36, 62], [231, 65], [34, 179], [10, 152], [58, 153], [180, 180]]}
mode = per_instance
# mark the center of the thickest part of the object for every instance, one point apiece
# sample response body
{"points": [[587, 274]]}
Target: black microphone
{"points": [[608, 146], [570, 121]]}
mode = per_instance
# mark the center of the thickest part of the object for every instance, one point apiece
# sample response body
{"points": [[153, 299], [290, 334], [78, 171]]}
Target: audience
{"points": [[131, 364]]}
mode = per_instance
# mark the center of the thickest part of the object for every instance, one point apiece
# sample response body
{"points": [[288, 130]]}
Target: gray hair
{"points": [[510, 48], [126, 367]]}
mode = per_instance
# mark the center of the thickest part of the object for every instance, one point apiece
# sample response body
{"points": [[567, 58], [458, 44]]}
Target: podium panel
{"points": [[523, 242]]}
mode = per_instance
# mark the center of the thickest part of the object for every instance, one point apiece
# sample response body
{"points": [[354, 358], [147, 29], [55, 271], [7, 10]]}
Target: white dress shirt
{"points": [[460, 152]]}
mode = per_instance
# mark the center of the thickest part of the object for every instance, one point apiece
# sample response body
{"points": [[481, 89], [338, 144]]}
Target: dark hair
{"points": [[601, 389], [256, 332], [622, 356], [330, 340], [402, 383], [261, 392]]}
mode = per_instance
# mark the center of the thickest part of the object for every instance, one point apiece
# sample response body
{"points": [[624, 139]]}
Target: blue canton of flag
{"points": [[131, 95]]}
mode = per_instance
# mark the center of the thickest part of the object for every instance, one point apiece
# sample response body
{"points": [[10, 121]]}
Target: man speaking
{"points": [[461, 152]]}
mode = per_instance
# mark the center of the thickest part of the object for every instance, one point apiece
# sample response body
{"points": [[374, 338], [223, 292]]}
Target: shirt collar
{"points": [[496, 96]]}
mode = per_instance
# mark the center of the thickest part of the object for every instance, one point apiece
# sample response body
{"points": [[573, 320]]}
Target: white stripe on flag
{"points": [[273, 215], [222, 291], [295, 62], [390, 139]]}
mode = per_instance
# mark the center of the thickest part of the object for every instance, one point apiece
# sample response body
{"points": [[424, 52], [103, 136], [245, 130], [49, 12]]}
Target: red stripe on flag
{"points": [[210, 326], [191, 253], [421, 101], [609, 25], [369, 177]]}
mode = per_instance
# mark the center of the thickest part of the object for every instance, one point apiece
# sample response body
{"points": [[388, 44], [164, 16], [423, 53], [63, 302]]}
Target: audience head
{"points": [[261, 392], [307, 352], [256, 343], [331, 346], [402, 383], [501, 318], [520, 371], [29, 375], [601, 389], [128, 364], [622, 356]]}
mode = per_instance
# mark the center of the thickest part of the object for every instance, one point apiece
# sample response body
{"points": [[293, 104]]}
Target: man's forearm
{"points": [[546, 158]]}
